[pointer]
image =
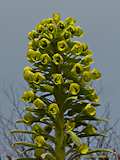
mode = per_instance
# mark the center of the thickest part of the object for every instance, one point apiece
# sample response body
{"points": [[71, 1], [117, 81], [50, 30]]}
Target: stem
{"points": [[59, 132]]}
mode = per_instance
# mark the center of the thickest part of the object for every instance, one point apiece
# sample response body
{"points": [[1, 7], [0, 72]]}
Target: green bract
{"points": [[61, 95]]}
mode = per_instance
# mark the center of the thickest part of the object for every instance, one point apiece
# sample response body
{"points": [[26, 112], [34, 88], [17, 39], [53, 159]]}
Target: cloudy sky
{"points": [[101, 22]]}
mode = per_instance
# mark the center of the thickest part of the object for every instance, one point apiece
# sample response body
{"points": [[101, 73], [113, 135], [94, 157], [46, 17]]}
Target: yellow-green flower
{"points": [[33, 34], [90, 110], [45, 21], [37, 128], [71, 29], [70, 125], [56, 17], [45, 59], [78, 31], [84, 46], [83, 148], [39, 28], [28, 96], [30, 45], [33, 44], [33, 56], [89, 129], [53, 109], [77, 68], [87, 60], [38, 103], [93, 97], [58, 79], [70, 21], [95, 74], [28, 74], [74, 88], [51, 27], [62, 45], [66, 34], [39, 140], [77, 48], [57, 59], [61, 25], [38, 77], [27, 68], [48, 35], [86, 52], [43, 43], [28, 118], [87, 76]]}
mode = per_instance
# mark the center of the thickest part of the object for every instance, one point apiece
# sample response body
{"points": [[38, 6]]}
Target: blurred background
{"points": [[101, 23]]}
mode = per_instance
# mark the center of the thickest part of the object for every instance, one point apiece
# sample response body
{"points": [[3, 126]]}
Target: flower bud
{"points": [[89, 130], [33, 34], [38, 103], [66, 34], [70, 125], [84, 46], [53, 109], [33, 56], [45, 59], [78, 31], [57, 78], [56, 17], [74, 88], [28, 118], [57, 59], [62, 45], [93, 97], [77, 48], [37, 128], [70, 21], [89, 110], [71, 29], [43, 43], [28, 96], [61, 25], [83, 148], [77, 68], [28, 75], [51, 27], [95, 74], [86, 76], [87, 60], [38, 77], [39, 28], [39, 140]]}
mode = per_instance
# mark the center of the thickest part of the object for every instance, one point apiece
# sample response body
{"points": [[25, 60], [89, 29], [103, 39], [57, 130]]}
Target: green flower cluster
{"points": [[61, 72]]}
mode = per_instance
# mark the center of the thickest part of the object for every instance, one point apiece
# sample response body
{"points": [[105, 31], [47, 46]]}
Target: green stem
{"points": [[59, 132]]}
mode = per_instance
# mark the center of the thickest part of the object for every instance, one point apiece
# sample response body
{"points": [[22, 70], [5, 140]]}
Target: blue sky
{"points": [[101, 22]]}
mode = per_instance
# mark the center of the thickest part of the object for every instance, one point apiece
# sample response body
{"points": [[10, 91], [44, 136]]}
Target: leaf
{"points": [[22, 131], [74, 138]]}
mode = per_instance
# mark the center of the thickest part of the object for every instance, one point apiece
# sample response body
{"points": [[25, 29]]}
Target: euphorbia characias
{"points": [[61, 116]]}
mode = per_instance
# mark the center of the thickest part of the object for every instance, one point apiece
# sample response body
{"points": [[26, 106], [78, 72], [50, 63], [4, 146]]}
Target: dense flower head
{"points": [[61, 91]]}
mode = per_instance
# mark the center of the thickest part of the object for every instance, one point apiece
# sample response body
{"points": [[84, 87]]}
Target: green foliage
{"points": [[60, 116]]}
